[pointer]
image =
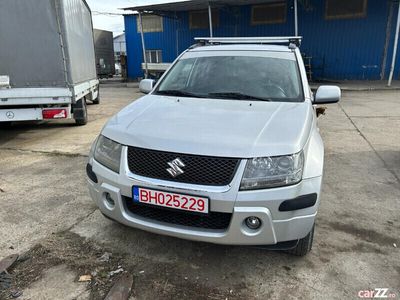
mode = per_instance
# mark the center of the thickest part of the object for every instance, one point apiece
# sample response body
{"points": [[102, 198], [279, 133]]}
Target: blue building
{"points": [[342, 39]]}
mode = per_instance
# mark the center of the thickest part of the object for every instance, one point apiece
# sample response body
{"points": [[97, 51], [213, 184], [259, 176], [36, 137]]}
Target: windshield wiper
{"points": [[178, 93], [238, 96]]}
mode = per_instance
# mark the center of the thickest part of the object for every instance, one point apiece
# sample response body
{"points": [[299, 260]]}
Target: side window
{"points": [[199, 19], [154, 56], [151, 23], [349, 9], [272, 13]]}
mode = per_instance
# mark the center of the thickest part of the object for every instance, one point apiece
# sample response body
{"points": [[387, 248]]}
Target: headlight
{"points": [[108, 153], [276, 171]]}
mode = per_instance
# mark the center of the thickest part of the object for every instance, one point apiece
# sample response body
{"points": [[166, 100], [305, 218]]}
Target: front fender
{"points": [[314, 156]]}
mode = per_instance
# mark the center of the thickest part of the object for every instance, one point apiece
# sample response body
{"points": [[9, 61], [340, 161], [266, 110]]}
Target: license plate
{"points": [[171, 200]]}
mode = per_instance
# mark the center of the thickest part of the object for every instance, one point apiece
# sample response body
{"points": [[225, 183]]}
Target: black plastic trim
{"points": [[205, 170], [299, 202], [89, 171], [281, 246], [212, 221]]}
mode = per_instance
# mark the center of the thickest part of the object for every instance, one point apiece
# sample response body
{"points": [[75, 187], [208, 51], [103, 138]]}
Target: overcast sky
{"points": [[114, 23]]}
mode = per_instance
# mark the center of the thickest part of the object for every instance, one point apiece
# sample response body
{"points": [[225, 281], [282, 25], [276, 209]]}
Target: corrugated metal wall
{"points": [[345, 48], [351, 49]]}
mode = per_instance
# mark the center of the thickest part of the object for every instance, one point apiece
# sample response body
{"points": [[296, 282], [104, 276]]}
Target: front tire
{"points": [[80, 112], [304, 245]]}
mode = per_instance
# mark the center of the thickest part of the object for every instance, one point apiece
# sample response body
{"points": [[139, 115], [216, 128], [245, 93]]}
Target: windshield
{"points": [[234, 77]]}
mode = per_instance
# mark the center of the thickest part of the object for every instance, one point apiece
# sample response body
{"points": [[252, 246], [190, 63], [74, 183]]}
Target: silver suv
{"points": [[224, 148]]}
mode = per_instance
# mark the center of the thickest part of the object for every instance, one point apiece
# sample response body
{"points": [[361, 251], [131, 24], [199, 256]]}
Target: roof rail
{"points": [[289, 40]]}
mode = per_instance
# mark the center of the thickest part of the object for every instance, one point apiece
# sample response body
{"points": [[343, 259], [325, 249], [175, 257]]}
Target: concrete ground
{"points": [[46, 214]]}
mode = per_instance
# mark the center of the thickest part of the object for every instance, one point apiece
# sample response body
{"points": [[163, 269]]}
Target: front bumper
{"points": [[277, 226]]}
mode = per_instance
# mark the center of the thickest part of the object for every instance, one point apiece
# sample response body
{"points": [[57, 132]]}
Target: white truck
{"points": [[47, 60]]}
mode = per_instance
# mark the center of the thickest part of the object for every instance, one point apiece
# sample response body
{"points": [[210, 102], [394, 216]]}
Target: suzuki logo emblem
{"points": [[10, 115], [176, 167]]}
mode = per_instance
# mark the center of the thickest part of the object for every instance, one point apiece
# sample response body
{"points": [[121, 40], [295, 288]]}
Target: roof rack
{"points": [[289, 40]]}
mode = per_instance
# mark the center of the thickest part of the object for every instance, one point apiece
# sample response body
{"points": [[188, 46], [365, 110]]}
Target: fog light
{"points": [[253, 222], [110, 203]]}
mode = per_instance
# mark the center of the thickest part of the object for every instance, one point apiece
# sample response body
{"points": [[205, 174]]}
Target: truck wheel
{"points": [[80, 112], [97, 100], [304, 245]]}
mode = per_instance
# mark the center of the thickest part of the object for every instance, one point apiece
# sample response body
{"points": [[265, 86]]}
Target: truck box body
{"points": [[46, 52], [46, 42], [104, 51]]}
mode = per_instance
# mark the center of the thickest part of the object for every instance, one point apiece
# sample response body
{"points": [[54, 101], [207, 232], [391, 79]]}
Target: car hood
{"points": [[213, 127]]}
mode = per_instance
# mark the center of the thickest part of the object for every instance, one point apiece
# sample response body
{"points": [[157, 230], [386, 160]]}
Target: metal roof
{"points": [[192, 4]]}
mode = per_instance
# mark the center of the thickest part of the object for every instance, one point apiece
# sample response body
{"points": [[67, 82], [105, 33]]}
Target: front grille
{"points": [[203, 170], [213, 220]]}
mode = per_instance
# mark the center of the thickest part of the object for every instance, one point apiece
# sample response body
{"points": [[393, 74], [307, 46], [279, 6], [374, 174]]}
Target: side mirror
{"points": [[327, 94], [146, 85]]}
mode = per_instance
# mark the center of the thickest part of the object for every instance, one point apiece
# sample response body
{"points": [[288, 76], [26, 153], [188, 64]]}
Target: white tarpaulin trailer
{"points": [[47, 60]]}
